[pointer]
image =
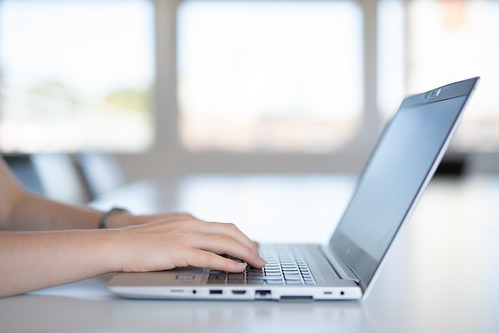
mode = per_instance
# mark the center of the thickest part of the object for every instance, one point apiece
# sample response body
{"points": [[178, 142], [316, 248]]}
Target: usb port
{"points": [[216, 292]]}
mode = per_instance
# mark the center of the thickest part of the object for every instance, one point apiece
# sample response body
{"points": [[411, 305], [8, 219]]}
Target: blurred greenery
{"points": [[131, 98], [55, 90]]}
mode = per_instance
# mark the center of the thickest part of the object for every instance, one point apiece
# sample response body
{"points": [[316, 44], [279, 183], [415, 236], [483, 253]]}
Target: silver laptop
{"points": [[399, 169]]}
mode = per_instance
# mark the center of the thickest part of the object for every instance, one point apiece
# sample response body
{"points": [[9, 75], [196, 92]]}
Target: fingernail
{"points": [[262, 261]]}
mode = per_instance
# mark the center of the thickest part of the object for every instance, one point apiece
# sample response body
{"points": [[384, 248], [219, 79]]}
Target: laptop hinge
{"points": [[343, 270]]}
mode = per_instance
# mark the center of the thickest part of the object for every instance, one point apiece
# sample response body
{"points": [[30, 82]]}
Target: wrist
{"points": [[114, 248]]}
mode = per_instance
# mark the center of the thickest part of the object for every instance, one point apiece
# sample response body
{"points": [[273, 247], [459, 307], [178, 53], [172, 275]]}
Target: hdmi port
{"points": [[239, 292]]}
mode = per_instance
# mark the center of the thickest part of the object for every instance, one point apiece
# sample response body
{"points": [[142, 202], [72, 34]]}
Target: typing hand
{"points": [[185, 241]]}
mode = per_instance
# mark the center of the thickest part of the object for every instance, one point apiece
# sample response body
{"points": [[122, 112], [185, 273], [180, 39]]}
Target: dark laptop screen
{"points": [[401, 163]]}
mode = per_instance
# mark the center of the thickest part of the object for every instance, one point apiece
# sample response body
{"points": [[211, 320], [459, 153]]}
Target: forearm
{"points": [[32, 261], [22, 211], [31, 212]]}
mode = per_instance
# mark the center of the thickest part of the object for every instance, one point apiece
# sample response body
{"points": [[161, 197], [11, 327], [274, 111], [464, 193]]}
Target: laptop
{"points": [[399, 169]]}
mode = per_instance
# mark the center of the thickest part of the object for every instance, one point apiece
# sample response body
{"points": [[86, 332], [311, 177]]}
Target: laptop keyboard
{"points": [[285, 266]]}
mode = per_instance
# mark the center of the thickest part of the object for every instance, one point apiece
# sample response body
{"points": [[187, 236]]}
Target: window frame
{"points": [[167, 143]]}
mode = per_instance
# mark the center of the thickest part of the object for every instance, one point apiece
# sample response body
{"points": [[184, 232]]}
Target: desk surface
{"points": [[440, 275]]}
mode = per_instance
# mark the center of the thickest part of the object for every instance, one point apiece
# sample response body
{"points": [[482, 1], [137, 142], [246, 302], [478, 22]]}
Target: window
{"points": [[452, 40], [275, 85], [437, 43], [76, 75], [269, 76]]}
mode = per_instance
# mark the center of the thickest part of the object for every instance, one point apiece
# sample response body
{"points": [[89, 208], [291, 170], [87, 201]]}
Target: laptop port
{"points": [[296, 298], [263, 294], [216, 292], [239, 292]]}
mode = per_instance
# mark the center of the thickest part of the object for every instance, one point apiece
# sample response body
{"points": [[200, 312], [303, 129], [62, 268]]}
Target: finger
{"points": [[223, 244], [231, 230], [201, 258]]}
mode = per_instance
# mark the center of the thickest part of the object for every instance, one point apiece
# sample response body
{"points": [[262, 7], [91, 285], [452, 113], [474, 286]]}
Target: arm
{"points": [[21, 211], [34, 260], [37, 260]]}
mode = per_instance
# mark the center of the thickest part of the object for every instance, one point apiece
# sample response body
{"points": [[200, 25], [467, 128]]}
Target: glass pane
{"points": [[391, 60], [453, 40], [277, 76], [76, 75]]}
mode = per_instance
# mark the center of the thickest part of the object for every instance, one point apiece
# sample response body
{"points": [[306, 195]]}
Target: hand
{"points": [[125, 220], [181, 240]]}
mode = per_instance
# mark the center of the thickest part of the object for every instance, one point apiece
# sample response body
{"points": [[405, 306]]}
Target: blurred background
{"points": [[170, 87]]}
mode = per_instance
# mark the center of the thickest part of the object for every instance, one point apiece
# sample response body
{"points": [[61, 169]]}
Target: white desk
{"points": [[441, 275]]}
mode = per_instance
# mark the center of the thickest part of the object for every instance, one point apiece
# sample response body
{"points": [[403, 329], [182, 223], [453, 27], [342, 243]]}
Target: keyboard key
{"points": [[294, 282], [273, 277], [256, 282], [275, 282]]}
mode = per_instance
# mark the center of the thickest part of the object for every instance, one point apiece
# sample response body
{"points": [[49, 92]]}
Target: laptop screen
{"points": [[401, 164]]}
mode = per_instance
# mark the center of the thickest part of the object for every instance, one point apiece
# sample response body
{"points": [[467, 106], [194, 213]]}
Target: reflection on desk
{"points": [[440, 276]]}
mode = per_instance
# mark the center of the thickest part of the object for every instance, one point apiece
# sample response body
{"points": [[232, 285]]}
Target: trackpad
{"points": [[177, 276]]}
